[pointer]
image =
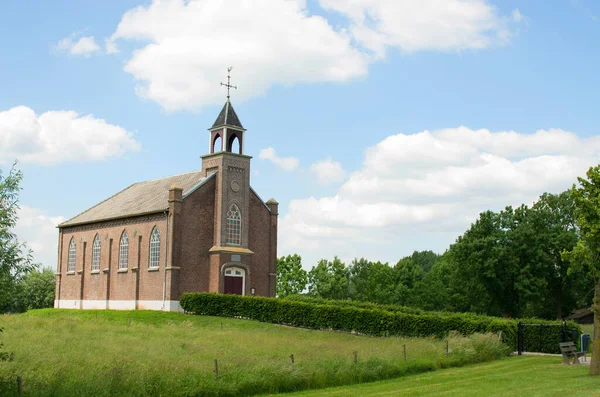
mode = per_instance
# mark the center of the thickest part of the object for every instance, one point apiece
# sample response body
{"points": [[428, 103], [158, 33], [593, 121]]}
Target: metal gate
{"points": [[543, 338]]}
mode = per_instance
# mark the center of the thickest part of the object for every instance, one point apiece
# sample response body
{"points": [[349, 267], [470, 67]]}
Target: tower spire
{"points": [[228, 85]]}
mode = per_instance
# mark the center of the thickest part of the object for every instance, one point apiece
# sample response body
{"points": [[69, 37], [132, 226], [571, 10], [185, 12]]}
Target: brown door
{"points": [[234, 285]]}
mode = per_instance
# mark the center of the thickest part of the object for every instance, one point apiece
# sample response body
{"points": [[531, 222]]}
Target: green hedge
{"points": [[373, 320]]}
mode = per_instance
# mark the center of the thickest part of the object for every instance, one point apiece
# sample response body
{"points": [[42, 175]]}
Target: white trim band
{"points": [[169, 306]]}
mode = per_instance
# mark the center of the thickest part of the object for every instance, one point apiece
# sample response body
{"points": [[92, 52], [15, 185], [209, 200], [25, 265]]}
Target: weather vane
{"points": [[228, 85]]}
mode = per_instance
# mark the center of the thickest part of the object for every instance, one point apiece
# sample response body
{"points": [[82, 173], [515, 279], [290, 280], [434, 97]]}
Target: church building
{"points": [[202, 231]]}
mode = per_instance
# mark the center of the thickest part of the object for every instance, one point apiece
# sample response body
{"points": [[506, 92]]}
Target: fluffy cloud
{"points": [[446, 25], [38, 230], [187, 45], [190, 44], [328, 171], [59, 136], [421, 191], [287, 163], [84, 46]]}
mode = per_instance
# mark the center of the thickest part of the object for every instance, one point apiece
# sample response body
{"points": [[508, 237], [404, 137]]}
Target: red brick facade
{"points": [[194, 251]]}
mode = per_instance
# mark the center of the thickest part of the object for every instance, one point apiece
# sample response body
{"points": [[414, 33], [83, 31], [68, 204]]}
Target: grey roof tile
{"points": [[227, 117], [139, 198]]}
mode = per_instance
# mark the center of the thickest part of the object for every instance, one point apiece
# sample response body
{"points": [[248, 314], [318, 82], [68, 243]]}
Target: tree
{"points": [[425, 259], [329, 280], [587, 251], [15, 259], [371, 281], [407, 275], [36, 290], [291, 277]]}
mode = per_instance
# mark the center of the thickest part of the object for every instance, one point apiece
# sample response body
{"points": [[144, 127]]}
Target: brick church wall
{"points": [[259, 241], [122, 285], [194, 238]]}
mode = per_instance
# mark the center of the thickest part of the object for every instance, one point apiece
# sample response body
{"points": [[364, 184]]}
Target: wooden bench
{"points": [[568, 349]]}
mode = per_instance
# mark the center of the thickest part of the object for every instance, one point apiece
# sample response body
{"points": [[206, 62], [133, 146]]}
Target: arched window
{"points": [[217, 145], [234, 225], [96, 253], [124, 251], [234, 145], [154, 248], [72, 256]]}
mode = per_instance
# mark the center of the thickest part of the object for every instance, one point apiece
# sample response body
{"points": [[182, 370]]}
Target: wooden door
{"points": [[234, 285]]}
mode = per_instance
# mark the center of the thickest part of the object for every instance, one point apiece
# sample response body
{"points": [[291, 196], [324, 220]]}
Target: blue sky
{"points": [[380, 126]]}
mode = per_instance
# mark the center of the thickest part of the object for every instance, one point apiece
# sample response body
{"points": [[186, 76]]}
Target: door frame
{"points": [[232, 269]]}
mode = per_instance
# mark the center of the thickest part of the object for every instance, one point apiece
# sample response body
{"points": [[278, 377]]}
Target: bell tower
{"points": [[227, 160]]}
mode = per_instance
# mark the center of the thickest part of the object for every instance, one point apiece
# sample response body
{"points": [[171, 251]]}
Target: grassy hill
{"points": [[137, 353]]}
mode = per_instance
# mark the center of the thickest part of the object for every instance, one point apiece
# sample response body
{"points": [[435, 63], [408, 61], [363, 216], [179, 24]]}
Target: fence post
{"points": [[520, 338], [292, 358], [216, 370], [446, 347], [19, 386], [355, 357], [404, 351]]}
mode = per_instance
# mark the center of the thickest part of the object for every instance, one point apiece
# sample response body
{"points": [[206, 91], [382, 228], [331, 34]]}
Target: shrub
{"points": [[371, 319]]}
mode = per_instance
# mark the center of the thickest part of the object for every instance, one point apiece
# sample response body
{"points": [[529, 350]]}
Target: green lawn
{"points": [[516, 376], [138, 353]]}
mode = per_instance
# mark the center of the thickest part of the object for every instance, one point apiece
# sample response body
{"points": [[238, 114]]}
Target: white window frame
{"points": [[72, 256], [96, 253], [154, 249], [234, 215], [124, 251]]}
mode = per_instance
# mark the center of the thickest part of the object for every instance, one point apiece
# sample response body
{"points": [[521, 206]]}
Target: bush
{"points": [[370, 319]]}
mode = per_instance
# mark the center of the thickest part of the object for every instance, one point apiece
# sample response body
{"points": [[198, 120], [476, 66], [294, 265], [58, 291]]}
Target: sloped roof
{"points": [[139, 198], [227, 117], [579, 313]]}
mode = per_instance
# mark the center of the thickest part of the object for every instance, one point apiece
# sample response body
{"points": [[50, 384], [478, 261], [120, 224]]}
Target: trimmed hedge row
{"points": [[357, 304], [369, 321]]}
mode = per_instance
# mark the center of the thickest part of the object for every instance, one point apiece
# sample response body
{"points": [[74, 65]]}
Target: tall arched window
{"points": [[72, 256], [154, 248], [234, 225], [124, 251], [96, 253]]}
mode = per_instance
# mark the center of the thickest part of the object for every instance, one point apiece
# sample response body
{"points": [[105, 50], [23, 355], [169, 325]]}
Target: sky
{"points": [[380, 126]]}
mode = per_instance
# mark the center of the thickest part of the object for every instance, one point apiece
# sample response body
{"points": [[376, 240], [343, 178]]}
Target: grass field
{"points": [[514, 376], [109, 353]]}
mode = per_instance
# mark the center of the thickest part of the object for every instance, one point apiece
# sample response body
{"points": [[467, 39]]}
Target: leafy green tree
{"points": [[15, 259], [371, 281], [291, 277], [481, 268], [425, 259], [329, 280], [587, 252], [407, 275], [36, 290], [433, 292], [553, 216]]}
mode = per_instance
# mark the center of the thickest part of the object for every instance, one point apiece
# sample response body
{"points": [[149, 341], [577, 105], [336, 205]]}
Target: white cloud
{"points": [[59, 136], [516, 15], [189, 45], [287, 163], [421, 191], [328, 171], [84, 46], [38, 230], [184, 47], [446, 25]]}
